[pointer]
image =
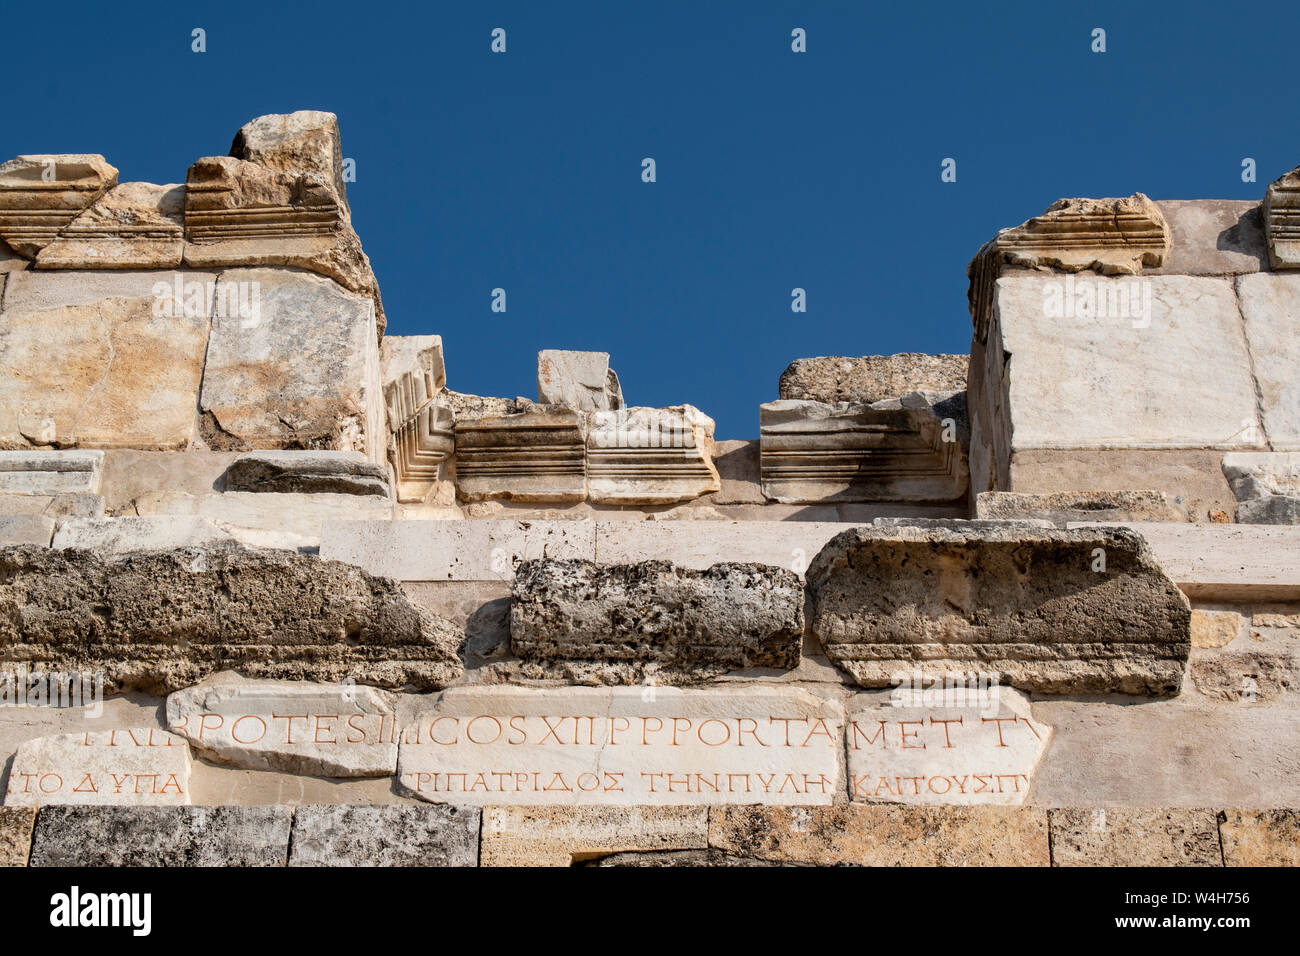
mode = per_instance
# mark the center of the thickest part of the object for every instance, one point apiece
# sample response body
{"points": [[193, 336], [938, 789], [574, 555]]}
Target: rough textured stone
{"points": [[41, 194], [1079, 506], [162, 836], [479, 406], [908, 449], [385, 836], [1023, 604], [119, 373], [1270, 308], [561, 836], [1259, 474], [26, 529], [1271, 509], [624, 746], [16, 835], [923, 743], [872, 378], [160, 621], [123, 535], [307, 472], [1260, 837], [884, 835], [327, 397], [730, 616], [536, 455], [1245, 676], [132, 226], [581, 380], [1281, 209], [337, 730], [278, 200], [1214, 628], [1134, 836], [138, 766], [650, 455]]}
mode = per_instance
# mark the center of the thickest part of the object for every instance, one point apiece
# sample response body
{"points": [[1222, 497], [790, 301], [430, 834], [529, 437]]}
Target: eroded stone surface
{"points": [[872, 378], [132, 226], [536, 455], [1246, 676], [1260, 837], [581, 380], [139, 766], [16, 834], [561, 836], [922, 744], [660, 746], [162, 836], [1214, 628], [1281, 209], [385, 836], [307, 472], [730, 616], [650, 455], [41, 194], [26, 529], [329, 730], [131, 533], [1134, 836], [1033, 607], [159, 621], [1079, 506]]}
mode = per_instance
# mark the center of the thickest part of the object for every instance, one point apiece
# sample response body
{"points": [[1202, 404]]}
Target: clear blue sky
{"points": [[775, 170]]}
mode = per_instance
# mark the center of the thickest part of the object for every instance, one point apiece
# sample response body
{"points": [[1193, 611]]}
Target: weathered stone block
{"points": [[624, 746], [132, 226], [422, 429], [131, 533], [139, 766], [327, 397], [1085, 611], [1079, 506], [561, 836], [884, 835], [26, 529], [307, 472], [581, 380], [16, 835], [50, 472], [1260, 474], [872, 378], [291, 521], [327, 730], [1212, 237], [1134, 836], [1270, 308], [537, 455], [615, 618], [650, 455], [1271, 509], [1246, 676], [1281, 210], [1214, 628], [385, 836], [162, 836], [1260, 837], [41, 194], [159, 621]]}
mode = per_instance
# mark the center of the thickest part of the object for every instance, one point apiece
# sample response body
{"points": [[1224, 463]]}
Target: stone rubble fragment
{"points": [[650, 455], [307, 472], [581, 380], [872, 378]]}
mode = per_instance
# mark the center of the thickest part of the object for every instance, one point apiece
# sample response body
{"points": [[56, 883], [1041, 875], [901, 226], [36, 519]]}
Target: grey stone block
{"points": [[385, 836]]}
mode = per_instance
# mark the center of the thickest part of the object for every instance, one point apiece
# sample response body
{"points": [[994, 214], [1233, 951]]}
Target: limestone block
{"points": [[1215, 628], [1260, 837], [1246, 676], [1034, 608], [191, 293], [872, 378], [561, 836], [961, 744], [422, 354], [1270, 308], [536, 455], [307, 472], [162, 836], [581, 380], [26, 529], [50, 472], [1134, 836], [385, 836], [120, 373], [1259, 474], [305, 141], [132, 533], [905, 450], [299, 369], [1211, 237], [1225, 562], [625, 746], [1079, 506], [1271, 509], [884, 835], [159, 621], [53, 506], [16, 835], [618, 618], [481, 406], [650, 455], [41, 194], [284, 520], [485, 550], [140, 766], [1281, 210], [327, 730], [740, 477], [132, 226]]}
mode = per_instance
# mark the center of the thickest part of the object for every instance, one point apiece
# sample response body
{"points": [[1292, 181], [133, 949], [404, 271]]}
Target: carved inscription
{"points": [[626, 745], [139, 766]]}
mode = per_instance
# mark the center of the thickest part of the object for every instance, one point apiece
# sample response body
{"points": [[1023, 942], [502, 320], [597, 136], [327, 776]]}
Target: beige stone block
{"points": [[26, 529], [650, 456], [562, 836], [16, 825], [48, 473], [581, 380], [1260, 837], [132, 533], [132, 226], [871, 378], [41, 194], [270, 520], [1215, 628], [1134, 836], [878, 835], [140, 766], [1270, 307], [1212, 237], [537, 455]]}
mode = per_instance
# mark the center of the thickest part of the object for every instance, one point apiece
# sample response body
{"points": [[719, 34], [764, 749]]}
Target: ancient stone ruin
{"points": [[942, 609]]}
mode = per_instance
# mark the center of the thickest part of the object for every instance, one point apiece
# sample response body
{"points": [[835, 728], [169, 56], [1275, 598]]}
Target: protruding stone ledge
{"points": [[536, 455], [41, 194], [132, 226], [422, 429], [1134, 836], [872, 378], [1086, 611], [385, 836], [161, 836], [609, 623], [650, 455], [307, 472], [160, 621], [50, 472]]}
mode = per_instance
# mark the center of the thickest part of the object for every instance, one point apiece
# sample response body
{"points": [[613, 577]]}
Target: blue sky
{"points": [[775, 170]]}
